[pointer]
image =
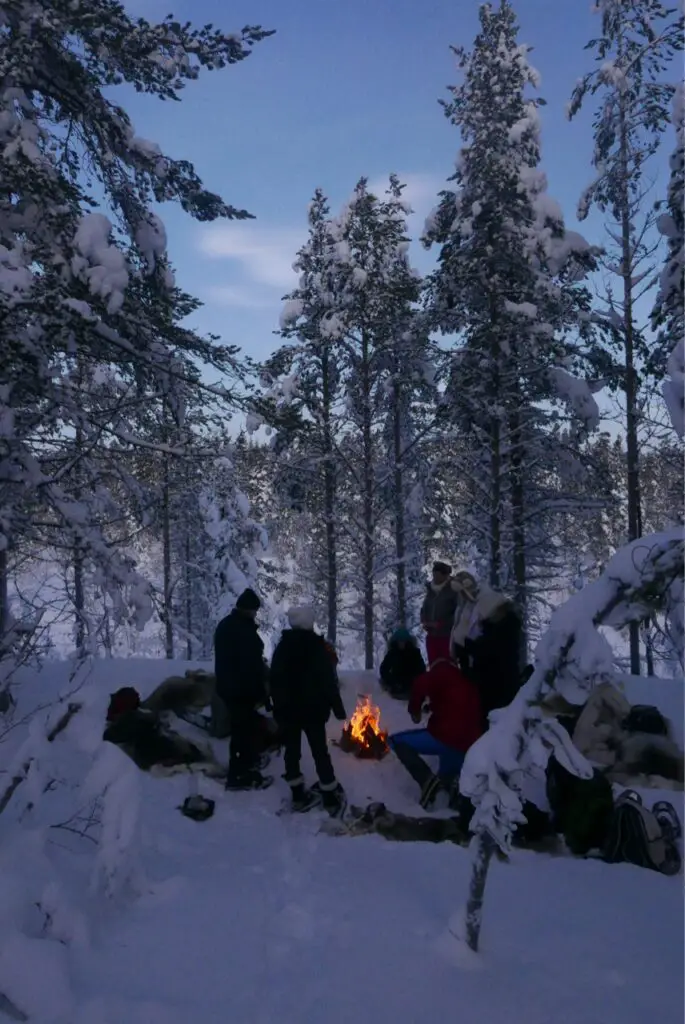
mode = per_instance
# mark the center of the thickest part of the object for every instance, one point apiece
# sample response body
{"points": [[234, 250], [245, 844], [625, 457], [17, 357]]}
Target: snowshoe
{"points": [[251, 780], [667, 816], [197, 807]]}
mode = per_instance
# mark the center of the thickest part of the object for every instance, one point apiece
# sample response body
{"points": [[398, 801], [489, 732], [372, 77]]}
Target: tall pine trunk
{"points": [[632, 416], [78, 561], [4, 600], [368, 513], [166, 560], [400, 530], [483, 847], [329, 485], [518, 523]]}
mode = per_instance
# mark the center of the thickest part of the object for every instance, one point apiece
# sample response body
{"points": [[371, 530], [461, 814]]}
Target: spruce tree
{"points": [[85, 280], [508, 286], [636, 44]]}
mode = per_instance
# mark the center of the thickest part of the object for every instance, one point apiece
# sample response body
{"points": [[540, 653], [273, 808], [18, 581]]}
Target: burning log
{"points": [[362, 735]]}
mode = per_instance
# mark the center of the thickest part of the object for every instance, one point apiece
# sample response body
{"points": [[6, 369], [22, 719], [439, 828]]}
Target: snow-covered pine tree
{"points": [[507, 284], [412, 404], [76, 285], [377, 292], [637, 42], [668, 315], [309, 363], [231, 542]]}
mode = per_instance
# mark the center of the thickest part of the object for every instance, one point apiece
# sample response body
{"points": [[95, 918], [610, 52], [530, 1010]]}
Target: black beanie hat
{"points": [[248, 601], [442, 567]]}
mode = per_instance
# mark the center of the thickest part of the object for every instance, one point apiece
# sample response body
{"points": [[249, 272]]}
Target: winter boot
{"points": [[334, 801], [303, 799], [250, 780]]}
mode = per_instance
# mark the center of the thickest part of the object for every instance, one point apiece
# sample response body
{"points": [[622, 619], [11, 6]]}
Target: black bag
{"points": [[647, 719], [643, 837], [581, 808]]}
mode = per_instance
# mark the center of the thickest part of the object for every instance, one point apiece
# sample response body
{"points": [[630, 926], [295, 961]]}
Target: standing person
{"points": [[437, 612], [241, 685], [455, 723], [304, 691], [486, 640], [401, 665]]}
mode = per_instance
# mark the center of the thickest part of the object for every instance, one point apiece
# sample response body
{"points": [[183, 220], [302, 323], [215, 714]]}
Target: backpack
{"points": [[581, 808], [647, 719], [643, 837]]}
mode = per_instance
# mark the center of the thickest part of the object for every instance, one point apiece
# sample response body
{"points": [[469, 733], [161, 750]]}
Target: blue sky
{"points": [[344, 88]]}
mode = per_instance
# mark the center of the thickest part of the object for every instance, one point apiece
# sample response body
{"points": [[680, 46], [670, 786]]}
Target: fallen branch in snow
{"points": [[59, 726]]}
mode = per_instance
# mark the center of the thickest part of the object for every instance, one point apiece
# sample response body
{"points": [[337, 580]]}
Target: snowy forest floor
{"points": [[255, 918]]}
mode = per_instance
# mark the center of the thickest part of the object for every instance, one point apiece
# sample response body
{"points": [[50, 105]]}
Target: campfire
{"points": [[362, 735]]}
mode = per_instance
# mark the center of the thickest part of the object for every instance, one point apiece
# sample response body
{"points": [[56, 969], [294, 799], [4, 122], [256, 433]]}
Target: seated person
{"points": [[455, 723], [401, 665]]}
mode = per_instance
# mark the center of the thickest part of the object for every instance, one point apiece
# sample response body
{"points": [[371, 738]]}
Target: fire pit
{"points": [[362, 735]]}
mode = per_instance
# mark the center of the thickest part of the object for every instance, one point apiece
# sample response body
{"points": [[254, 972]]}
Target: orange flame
{"points": [[365, 720]]}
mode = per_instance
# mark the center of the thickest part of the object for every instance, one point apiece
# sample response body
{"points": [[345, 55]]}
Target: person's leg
{"points": [[441, 646], [431, 648], [318, 744], [410, 744], [242, 756], [410, 759], [292, 753]]}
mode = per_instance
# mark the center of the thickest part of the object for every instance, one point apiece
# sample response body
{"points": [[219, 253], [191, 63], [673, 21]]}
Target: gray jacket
{"points": [[438, 608]]}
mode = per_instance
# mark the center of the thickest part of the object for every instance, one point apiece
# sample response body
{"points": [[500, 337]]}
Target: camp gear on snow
{"points": [[646, 719], [637, 836], [581, 808], [197, 807], [668, 818], [455, 710]]}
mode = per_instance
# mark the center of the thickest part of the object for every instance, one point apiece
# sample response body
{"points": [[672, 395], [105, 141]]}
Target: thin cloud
{"points": [[266, 255], [239, 297]]}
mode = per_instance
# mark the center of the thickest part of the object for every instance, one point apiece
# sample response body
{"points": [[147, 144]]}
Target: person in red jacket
{"points": [[455, 723]]}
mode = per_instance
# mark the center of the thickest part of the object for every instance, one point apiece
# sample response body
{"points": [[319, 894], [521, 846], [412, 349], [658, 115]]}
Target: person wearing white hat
{"points": [[304, 692]]}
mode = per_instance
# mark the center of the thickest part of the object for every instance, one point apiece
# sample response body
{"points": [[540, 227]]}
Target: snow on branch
{"points": [[571, 658], [673, 388]]}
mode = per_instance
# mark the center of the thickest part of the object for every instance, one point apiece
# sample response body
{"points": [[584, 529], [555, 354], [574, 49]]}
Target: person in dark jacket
{"points": [[437, 612], [401, 665], [304, 691], [486, 641], [241, 684], [455, 723]]}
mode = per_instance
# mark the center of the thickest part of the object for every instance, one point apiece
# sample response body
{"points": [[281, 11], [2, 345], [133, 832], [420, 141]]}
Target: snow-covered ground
{"points": [[259, 919]]}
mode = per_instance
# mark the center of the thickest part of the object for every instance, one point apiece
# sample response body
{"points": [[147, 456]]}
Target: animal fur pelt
{"points": [[194, 690]]}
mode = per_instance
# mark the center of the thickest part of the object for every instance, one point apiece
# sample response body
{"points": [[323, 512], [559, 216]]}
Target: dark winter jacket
{"points": [[438, 608], [456, 715], [400, 667], [239, 660], [495, 658], [303, 681]]}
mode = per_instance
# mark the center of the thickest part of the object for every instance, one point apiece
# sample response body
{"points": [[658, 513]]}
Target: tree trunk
{"points": [[329, 485], [79, 561], [368, 516], [188, 579], [495, 503], [632, 416], [483, 848], [400, 536], [518, 526], [166, 556]]}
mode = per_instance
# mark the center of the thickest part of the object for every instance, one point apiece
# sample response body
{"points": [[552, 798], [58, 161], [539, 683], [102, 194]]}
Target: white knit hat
{"points": [[301, 618]]}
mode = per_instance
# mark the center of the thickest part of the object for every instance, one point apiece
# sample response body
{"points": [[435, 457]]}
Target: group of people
{"points": [[473, 646], [300, 687], [473, 638]]}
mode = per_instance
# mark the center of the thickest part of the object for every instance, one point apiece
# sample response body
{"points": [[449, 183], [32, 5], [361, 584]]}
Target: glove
{"points": [[416, 717]]}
